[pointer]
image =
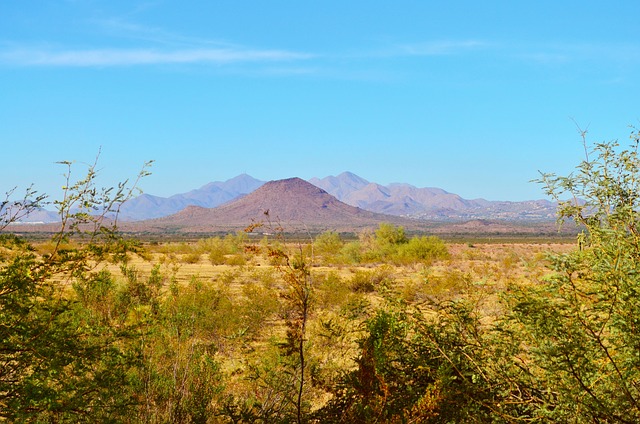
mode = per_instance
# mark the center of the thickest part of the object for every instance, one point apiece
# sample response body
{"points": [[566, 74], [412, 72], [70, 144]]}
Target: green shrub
{"points": [[331, 291], [581, 324], [234, 243], [351, 253], [215, 249], [450, 283], [64, 357], [389, 234], [191, 258], [414, 368], [237, 259], [422, 249], [327, 246], [259, 305], [369, 281], [217, 257]]}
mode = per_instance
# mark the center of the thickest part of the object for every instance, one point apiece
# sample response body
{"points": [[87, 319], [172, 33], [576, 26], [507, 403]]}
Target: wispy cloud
{"points": [[438, 48], [389, 50], [565, 53], [135, 57], [125, 29], [146, 46], [547, 57]]}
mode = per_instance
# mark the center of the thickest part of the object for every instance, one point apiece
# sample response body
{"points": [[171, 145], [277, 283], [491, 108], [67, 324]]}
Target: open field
{"points": [[228, 298], [239, 325], [495, 262]]}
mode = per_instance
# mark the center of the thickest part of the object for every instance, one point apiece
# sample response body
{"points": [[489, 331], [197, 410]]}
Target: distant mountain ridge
{"points": [[397, 199], [293, 203], [209, 195], [428, 203]]}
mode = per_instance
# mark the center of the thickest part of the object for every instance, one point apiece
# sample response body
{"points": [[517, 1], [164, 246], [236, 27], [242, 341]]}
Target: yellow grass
{"points": [[483, 270]]}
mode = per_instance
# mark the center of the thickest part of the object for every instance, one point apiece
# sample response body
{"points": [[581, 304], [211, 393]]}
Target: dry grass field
{"points": [[491, 264], [379, 326], [250, 279], [231, 301]]}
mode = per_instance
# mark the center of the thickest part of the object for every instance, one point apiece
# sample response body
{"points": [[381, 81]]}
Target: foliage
{"points": [[364, 281], [581, 325], [425, 249], [12, 210], [60, 359], [328, 245], [564, 350], [280, 377], [417, 367], [450, 283], [297, 275], [387, 244], [181, 377], [388, 234], [90, 332]]}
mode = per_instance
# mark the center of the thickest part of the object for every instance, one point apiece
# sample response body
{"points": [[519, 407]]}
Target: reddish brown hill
{"points": [[293, 203]]}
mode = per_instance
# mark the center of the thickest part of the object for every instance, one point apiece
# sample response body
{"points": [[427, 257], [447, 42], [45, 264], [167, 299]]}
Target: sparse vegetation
{"points": [[386, 328]]}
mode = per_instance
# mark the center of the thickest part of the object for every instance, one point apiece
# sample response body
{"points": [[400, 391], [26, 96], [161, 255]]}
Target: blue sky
{"points": [[470, 96]]}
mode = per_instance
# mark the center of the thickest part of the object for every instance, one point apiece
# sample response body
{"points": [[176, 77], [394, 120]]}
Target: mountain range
{"points": [[428, 203], [213, 194], [397, 199], [292, 204], [394, 199]]}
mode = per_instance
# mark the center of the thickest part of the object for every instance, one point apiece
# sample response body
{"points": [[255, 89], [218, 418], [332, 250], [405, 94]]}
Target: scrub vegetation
{"points": [[386, 327]]}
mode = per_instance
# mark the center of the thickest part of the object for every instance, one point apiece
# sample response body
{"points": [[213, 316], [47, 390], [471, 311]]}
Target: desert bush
{"points": [[447, 284], [266, 277], [191, 258], [260, 304], [385, 243], [217, 257], [412, 291], [235, 243], [181, 377], [215, 249], [327, 246], [390, 244], [356, 307], [563, 349], [425, 249], [351, 253], [62, 359], [181, 248], [331, 291], [238, 259], [364, 281], [205, 311], [333, 351], [388, 234], [228, 277], [139, 291], [415, 367], [269, 394], [98, 294], [580, 324], [473, 254]]}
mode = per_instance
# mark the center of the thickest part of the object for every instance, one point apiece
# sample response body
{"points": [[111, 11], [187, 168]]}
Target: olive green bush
{"points": [[562, 349], [62, 359]]}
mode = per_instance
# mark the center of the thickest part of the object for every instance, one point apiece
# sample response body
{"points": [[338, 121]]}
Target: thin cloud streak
{"points": [[438, 48], [422, 49], [137, 57], [128, 30], [565, 53]]}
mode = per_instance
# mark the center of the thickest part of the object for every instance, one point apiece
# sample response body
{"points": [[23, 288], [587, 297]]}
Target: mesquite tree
{"points": [[57, 363], [581, 327]]}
